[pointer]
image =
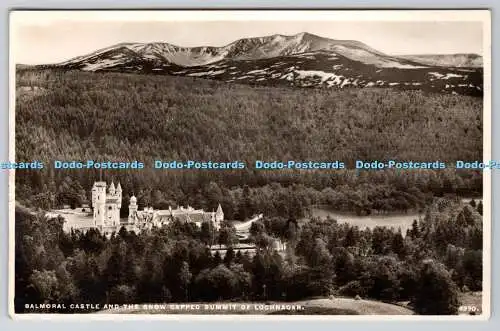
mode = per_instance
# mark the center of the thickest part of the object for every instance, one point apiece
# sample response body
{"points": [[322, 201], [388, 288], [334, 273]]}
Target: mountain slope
{"points": [[242, 49], [302, 60], [448, 60], [315, 69]]}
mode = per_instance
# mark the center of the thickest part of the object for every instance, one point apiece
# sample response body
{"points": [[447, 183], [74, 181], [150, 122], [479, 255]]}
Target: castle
{"points": [[107, 202]]}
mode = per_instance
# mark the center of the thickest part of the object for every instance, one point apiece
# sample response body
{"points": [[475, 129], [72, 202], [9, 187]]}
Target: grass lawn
{"points": [[323, 306]]}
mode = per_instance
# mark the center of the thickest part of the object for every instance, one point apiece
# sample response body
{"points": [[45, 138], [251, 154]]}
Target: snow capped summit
{"points": [[300, 60], [242, 49], [281, 45]]}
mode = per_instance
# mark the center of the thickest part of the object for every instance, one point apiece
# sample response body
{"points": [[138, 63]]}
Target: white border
{"points": [[42, 17], [487, 119]]}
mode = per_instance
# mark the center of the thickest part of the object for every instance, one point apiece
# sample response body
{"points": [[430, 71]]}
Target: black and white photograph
{"points": [[258, 163]]}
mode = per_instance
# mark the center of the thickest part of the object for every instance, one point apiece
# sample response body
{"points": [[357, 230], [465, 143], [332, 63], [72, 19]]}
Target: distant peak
{"points": [[306, 35]]}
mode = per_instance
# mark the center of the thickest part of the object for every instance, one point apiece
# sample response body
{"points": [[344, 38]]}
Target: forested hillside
{"points": [[74, 115]]}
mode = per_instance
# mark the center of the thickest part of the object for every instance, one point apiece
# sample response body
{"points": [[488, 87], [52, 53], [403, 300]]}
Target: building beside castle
{"points": [[107, 202]]}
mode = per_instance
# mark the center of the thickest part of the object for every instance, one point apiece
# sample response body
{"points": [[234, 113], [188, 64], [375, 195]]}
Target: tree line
{"points": [[363, 194]]}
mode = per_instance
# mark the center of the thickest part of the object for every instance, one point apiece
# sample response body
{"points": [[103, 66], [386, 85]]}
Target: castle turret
{"points": [[99, 196], [132, 209], [219, 213], [219, 216], [112, 188], [94, 196], [119, 194]]}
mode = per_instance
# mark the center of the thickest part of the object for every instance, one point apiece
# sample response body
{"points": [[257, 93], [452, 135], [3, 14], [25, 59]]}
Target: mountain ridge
{"points": [[241, 49], [300, 60], [470, 60]]}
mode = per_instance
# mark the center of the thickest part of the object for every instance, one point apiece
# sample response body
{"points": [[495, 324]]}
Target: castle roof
{"points": [[199, 217], [186, 217], [187, 211]]}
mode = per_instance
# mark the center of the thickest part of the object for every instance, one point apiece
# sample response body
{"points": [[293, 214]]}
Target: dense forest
{"points": [[438, 258], [74, 115]]}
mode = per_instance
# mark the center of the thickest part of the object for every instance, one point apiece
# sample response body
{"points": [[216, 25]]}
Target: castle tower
{"points": [[219, 216], [119, 195], [99, 203], [112, 189], [94, 196], [132, 209], [212, 217]]}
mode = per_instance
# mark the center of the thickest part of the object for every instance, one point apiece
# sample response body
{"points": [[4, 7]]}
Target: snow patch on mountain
{"points": [[259, 71], [205, 73], [316, 73], [107, 63], [450, 75], [436, 74]]}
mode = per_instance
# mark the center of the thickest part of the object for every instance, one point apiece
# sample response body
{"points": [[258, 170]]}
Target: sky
{"points": [[42, 38]]}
